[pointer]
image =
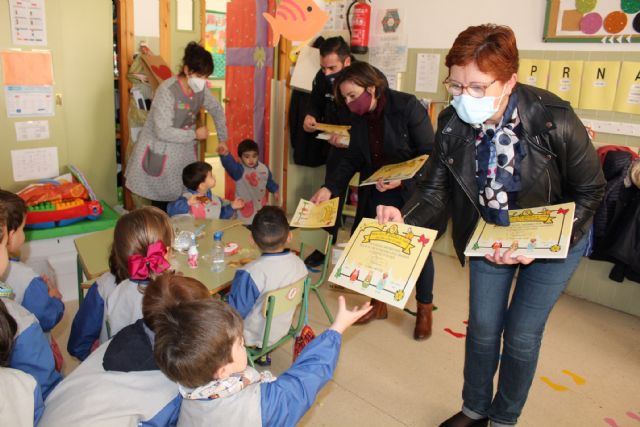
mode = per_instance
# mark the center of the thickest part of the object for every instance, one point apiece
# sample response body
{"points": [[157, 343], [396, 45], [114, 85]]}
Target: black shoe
{"points": [[315, 259], [461, 420]]}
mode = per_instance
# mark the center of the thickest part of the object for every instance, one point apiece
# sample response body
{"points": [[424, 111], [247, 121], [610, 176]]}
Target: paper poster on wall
{"points": [[337, 11], [306, 68], [29, 101], [534, 72], [28, 22], [32, 130], [427, 71], [564, 80], [215, 41], [387, 21], [388, 52], [598, 89], [184, 15], [26, 68], [628, 93], [34, 163]]}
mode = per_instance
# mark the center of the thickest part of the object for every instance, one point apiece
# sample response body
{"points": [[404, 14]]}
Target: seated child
{"points": [[120, 384], [140, 241], [31, 353], [29, 288], [198, 201], [275, 269], [199, 345], [253, 178], [22, 399]]}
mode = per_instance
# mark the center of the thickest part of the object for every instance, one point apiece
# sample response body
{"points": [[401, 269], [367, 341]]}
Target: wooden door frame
{"points": [[126, 49]]}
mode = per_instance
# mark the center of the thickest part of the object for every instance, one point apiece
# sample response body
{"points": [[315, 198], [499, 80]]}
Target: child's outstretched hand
{"points": [[237, 204], [52, 290], [223, 150], [346, 317]]}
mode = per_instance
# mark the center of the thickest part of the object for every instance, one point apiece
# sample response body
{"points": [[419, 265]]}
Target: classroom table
{"points": [[93, 253]]}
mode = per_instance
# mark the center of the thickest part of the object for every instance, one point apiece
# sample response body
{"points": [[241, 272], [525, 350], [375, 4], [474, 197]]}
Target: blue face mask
{"points": [[476, 111]]}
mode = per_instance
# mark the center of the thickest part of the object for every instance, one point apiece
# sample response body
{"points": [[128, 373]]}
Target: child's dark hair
{"points": [[247, 145], [335, 45], [198, 59], [3, 221], [194, 174], [133, 234], [169, 290], [195, 339], [8, 328], [270, 228], [16, 209]]}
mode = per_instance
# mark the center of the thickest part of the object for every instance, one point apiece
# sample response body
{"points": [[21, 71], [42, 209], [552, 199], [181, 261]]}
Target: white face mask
{"points": [[476, 111], [196, 83]]}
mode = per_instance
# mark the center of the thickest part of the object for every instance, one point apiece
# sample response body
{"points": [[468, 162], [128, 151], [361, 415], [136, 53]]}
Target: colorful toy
{"points": [[60, 202]]}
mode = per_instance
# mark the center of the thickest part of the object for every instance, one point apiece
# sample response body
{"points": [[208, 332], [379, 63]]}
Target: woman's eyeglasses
{"points": [[477, 90]]}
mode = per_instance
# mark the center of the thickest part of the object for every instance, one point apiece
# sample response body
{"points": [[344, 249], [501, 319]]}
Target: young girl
{"points": [[140, 241]]}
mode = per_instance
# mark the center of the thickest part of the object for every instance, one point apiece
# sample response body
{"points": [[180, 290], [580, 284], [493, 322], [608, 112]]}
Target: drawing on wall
{"points": [[591, 21], [215, 41]]}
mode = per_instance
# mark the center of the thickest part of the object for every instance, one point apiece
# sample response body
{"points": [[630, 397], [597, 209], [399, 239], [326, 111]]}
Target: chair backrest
{"points": [[315, 238], [285, 299]]}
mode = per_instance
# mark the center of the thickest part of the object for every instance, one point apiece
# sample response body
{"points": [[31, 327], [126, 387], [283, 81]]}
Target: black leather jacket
{"points": [[560, 165]]}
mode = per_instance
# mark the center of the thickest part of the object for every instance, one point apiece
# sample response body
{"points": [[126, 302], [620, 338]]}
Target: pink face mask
{"points": [[361, 104]]}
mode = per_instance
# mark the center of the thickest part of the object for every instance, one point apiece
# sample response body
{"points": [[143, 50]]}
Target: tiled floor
{"points": [[385, 378]]}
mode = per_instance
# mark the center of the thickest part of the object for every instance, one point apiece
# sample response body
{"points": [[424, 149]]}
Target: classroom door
{"points": [[249, 71]]}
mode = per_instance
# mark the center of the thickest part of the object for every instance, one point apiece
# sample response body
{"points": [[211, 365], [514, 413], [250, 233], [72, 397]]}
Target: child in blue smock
{"points": [[30, 289], [120, 384], [200, 346], [139, 252], [276, 268], [253, 178], [198, 201], [27, 365]]}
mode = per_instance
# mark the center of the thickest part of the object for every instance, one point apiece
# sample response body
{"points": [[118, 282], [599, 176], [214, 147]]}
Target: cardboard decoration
{"points": [[156, 70], [296, 20]]}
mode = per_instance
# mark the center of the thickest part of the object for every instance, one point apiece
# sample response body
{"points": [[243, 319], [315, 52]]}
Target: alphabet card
{"points": [[599, 80], [383, 261], [564, 80], [310, 215], [534, 72], [628, 94], [542, 232]]}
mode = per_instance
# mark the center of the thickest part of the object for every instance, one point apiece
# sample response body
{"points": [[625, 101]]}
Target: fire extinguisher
{"points": [[359, 31]]}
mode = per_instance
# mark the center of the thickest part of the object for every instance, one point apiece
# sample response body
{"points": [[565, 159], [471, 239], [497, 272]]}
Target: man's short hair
{"points": [[195, 339], [270, 228], [194, 174], [335, 45]]}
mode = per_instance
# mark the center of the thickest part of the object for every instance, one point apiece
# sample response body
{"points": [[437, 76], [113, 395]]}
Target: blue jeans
{"points": [[519, 322]]}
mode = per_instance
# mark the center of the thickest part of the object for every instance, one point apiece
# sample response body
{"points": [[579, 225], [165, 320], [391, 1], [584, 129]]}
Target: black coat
{"points": [[407, 134], [560, 165]]}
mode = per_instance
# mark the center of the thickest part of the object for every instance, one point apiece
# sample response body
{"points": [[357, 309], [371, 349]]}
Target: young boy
{"points": [[199, 345], [253, 178], [29, 288], [119, 384], [31, 352], [198, 201], [276, 268]]}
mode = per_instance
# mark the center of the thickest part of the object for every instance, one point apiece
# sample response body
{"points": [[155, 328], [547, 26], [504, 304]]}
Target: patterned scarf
{"points": [[498, 157], [226, 387]]}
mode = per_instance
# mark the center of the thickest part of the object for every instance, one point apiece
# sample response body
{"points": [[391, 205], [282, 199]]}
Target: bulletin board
{"points": [[592, 21], [215, 41]]}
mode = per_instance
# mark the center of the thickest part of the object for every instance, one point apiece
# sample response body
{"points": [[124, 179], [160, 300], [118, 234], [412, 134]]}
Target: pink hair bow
{"points": [[155, 261]]}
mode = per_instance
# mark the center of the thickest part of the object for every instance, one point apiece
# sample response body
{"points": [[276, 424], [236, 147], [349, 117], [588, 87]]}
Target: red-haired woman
{"points": [[503, 145]]}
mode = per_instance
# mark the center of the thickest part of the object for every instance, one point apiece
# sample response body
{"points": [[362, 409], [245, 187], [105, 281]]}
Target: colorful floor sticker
{"points": [[556, 387], [575, 377], [455, 334]]}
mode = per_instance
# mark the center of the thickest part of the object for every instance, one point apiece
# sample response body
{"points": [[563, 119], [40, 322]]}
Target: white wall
{"points": [[435, 24]]}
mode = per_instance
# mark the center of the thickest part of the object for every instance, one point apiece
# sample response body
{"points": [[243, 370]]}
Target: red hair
{"points": [[492, 47]]}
